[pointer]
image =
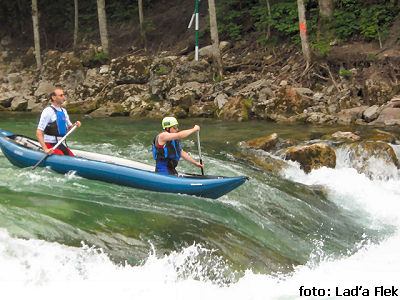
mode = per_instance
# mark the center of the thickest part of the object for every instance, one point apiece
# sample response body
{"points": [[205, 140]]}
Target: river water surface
{"points": [[65, 237]]}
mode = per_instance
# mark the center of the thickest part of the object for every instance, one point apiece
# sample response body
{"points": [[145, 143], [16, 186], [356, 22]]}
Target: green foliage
{"points": [[98, 59], [321, 47], [374, 21], [162, 70], [230, 26], [345, 73], [371, 21], [283, 20]]}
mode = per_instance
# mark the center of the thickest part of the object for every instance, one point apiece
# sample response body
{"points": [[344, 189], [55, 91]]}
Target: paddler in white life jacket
{"points": [[167, 149], [54, 123]]}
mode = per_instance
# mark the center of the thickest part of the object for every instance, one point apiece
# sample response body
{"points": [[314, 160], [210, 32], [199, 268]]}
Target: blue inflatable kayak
{"points": [[26, 152]]}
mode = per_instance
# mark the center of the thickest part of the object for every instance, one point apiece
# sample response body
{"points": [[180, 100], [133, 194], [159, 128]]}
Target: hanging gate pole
{"points": [[195, 17]]}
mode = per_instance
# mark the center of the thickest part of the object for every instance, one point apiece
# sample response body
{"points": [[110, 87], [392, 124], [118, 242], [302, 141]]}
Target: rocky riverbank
{"points": [[255, 86]]}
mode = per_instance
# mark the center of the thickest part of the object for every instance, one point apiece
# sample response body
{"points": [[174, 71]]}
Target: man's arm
{"points": [[167, 136], [188, 158], [40, 137]]}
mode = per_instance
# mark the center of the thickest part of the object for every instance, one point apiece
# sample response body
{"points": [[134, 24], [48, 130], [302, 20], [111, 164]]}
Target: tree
{"points": [[303, 32], [76, 24], [326, 8], [141, 24], [214, 37], [36, 35], [101, 12]]}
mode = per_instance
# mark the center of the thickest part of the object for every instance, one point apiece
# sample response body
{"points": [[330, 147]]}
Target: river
{"points": [[275, 237]]}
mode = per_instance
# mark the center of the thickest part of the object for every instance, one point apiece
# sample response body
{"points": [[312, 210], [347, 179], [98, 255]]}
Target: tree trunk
{"points": [[303, 32], [325, 29], [36, 36], [76, 24], [214, 37], [269, 22], [141, 24], [101, 12]]}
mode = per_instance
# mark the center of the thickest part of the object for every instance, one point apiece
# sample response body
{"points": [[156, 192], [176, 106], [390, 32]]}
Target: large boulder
{"points": [[394, 102], [364, 153], [202, 110], [345, 136], [131, 69], [237, 108], [82, 107], [110, 110], [199, 71], [186, 94], [265, 143], [312, 156], [378, 88], [44, 88], [58, 67], [371, 113], [382, 136], [350, 115], [207, 51], [19, 103], [388, 117], [7, 98], [291, 100]]}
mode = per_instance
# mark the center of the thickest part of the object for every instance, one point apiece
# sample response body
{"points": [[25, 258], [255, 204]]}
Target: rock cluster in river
{"points": [[269, 152]]}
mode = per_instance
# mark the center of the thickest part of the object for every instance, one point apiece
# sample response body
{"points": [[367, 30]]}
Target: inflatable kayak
{"points": [[24, 152]]}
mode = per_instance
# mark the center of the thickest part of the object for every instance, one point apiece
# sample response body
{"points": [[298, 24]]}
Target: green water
{"points": [[269, 224]]}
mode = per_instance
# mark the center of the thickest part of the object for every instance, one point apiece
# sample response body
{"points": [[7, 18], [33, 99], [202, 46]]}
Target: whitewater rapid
{"points": [[36, 269]]}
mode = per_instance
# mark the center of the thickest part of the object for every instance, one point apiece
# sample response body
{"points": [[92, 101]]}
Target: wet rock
{"points": [[265, 143], [312, 156], [361, 154], [262, 160], [345, 136], [383, 136]]}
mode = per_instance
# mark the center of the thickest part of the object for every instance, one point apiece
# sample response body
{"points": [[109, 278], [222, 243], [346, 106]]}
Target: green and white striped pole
{"points": [[195, 16]]}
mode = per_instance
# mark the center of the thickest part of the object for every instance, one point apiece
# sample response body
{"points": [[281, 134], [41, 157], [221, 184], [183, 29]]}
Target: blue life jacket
{"points": [[59, 127], [167, 157]]}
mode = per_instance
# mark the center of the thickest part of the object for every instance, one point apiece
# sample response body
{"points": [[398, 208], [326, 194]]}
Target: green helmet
{"points": [[168, 122]]}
